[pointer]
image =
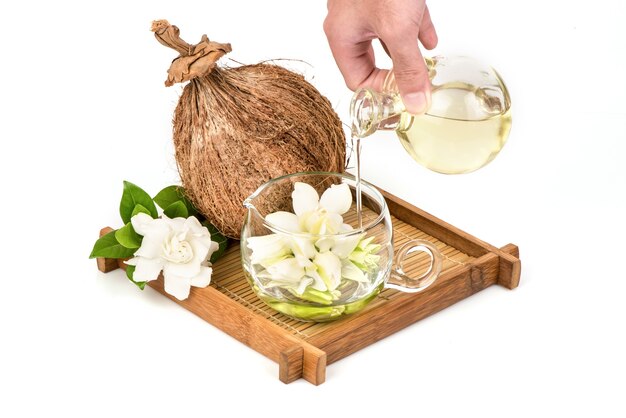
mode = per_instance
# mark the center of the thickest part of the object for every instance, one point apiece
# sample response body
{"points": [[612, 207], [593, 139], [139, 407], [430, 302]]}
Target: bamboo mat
{"points": [[228, 277]]}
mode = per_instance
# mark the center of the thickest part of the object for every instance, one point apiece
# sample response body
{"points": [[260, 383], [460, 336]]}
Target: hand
{"points": [[350, 27]]}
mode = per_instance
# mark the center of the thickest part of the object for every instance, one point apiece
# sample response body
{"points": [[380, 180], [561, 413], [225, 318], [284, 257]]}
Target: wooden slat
{"points": [[290, 364], [510, 267]]}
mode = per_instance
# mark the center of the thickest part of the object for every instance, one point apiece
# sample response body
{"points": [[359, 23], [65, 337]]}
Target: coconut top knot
{"points": [[194, 60]]}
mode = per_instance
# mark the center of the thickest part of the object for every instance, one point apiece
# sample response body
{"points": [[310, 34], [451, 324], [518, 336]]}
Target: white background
{"points": [[84, 107]]}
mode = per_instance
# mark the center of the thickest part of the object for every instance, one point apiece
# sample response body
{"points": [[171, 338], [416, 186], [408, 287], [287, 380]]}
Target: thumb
{"points": [[410, 73]]}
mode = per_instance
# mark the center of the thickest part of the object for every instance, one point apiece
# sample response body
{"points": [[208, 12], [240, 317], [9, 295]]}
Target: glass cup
{"points": [[305, 255]]}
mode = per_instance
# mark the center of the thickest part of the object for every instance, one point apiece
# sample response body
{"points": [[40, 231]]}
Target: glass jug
{"points": [[464, 128], [305, 255]]}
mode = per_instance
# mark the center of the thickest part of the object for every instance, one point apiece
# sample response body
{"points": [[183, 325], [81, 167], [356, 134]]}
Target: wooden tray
{"points": [[303, 349]]}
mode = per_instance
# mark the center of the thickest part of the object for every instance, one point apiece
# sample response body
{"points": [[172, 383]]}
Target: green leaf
{"points": [[130, 270], [127, 236], [132, 196], [221, 240], [140, 209], [172, 194], [176, 210], [108, 247]]}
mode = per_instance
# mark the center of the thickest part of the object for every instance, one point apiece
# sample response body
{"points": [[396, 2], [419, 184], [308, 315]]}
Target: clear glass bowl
{"points": [[319, 264]]}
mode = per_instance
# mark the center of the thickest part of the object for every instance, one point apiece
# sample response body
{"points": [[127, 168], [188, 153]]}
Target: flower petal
{"points": [[304, 283], [177, 224], [195, 227], [329, 269], [358, 257], [264, 274], [332, 223], [266, 247], [363, 244], [302, 247], [337, 199], [372, 260], [351, 272], [152, 243], [141, 222], [203, 279], [177, 286], [322, 222], [318, 283], [324, 244], [304, 198], [214, 247], [200, 251], [186, 270], [304, 261], [284, 220], [273, 260], [309, 220], [345, 245], [146, 269], [132, 261], [288, 270]]}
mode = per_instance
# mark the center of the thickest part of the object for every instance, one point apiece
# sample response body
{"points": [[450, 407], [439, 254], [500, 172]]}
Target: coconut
{"points": [[238, 127]]}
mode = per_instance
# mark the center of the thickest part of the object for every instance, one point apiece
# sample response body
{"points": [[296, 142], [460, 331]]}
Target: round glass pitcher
{"points": [[465, 127], [305, 256]]}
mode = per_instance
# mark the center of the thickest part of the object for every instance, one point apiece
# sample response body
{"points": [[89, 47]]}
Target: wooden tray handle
{"points": [[510, 266]]}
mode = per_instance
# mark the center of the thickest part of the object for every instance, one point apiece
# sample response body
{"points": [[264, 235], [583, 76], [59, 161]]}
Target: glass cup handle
{"points": [[398, 278]]}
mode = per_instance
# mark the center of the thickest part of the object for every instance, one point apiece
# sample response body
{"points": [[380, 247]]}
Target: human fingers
{"points": [[427, 32], [409, 69], [355, 61]]}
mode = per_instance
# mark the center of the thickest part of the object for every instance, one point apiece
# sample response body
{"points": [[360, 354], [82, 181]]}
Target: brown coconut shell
{"points": [[236, 128]]}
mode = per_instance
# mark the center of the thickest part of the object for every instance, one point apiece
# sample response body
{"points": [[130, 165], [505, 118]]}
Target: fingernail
{"points": [[415, 103]]}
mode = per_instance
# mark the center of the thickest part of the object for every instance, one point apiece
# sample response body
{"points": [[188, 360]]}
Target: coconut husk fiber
{"points": [[236, 128]]}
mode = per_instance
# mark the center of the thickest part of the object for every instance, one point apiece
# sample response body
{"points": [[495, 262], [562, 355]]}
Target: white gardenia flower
{"points": [[296, 257], [321, 215], [179, 247]]}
